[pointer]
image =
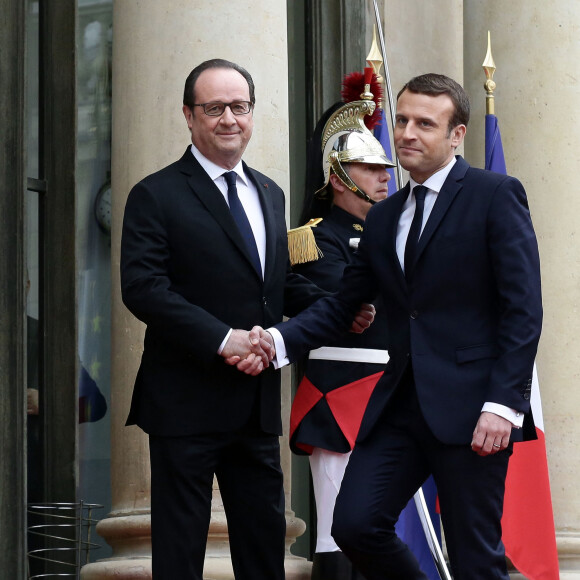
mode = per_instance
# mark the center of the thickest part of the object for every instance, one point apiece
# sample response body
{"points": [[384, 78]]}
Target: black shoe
{"points": [[333, 566]]}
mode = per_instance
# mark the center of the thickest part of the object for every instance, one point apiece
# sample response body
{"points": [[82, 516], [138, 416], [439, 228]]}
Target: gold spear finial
{"points": [[489, 85], [375, 60]]}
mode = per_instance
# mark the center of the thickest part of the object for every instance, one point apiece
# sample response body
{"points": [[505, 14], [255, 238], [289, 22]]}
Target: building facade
{"points": [[90, 102]]}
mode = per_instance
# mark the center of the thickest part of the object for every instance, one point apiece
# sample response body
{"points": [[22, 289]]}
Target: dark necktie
{"points": [[241, 219], [420, 192]]}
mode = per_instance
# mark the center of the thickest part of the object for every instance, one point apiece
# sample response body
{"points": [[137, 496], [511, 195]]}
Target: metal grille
{"points": [[59, 538]]}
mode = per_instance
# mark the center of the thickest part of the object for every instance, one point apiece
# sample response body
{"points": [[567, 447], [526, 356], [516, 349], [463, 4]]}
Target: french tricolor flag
{"points": [[528, 520]]}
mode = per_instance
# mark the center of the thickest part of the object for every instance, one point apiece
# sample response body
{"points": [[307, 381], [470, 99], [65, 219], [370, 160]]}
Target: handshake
{"points": [[252, 351]]}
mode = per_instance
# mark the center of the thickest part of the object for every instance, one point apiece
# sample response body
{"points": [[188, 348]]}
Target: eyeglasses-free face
{"points": [[216, 108]]}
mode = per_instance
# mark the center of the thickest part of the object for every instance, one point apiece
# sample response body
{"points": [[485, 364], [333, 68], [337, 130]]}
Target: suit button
{"points": [[414, 314], [264, 301], [526, 396]]}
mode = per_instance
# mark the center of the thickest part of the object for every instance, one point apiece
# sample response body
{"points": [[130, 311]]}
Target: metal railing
{"points": [[59, 538]]}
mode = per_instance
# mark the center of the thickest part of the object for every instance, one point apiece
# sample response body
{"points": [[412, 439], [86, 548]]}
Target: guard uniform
{"points": [[332, 396]]}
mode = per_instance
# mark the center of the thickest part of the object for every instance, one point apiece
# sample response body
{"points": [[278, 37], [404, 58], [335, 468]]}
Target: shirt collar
{"points": [[215, 171], [436, 181]]}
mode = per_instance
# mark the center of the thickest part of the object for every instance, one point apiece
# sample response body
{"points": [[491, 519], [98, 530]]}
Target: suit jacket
{"points": [[186, 273], [470, 320]]}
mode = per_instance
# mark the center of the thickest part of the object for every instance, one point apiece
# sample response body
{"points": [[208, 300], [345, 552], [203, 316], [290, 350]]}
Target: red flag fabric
{"points": [[528, 521]]}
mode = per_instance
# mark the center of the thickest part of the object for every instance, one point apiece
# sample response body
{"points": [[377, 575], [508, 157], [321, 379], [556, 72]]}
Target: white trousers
{"points": [[327, 469]]}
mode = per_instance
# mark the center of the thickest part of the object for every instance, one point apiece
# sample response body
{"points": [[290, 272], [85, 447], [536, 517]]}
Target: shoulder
{"points": [[329, 233], [163, 176], [498, 188], [484, 177]]}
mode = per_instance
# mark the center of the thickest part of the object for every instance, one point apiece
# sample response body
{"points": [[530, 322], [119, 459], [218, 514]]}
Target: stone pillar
{"points": [[154, 49], [422, 37], [536, 52]]}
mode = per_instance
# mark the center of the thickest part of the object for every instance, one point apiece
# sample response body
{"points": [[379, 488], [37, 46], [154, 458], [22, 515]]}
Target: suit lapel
{"points": [[269, 218], [445, 197], [213, 200]]}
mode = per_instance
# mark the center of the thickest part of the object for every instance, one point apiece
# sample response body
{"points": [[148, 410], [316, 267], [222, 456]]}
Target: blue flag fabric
{"points": [[382, 135], [409, 527], [494, 159], [410, 530]]}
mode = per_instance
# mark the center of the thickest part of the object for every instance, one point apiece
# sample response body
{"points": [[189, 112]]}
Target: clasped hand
{"points": [[252, 351]]}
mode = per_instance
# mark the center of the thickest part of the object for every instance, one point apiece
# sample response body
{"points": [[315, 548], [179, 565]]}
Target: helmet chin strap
{"points": [[362, 195], [345, 178]]}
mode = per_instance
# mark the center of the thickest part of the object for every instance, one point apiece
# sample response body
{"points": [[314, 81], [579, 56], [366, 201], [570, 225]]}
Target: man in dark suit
{"points": [[464, 310], [196, 281]]}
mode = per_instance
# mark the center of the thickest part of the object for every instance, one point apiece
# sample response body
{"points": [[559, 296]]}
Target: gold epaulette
{"points": [[302, 245]]}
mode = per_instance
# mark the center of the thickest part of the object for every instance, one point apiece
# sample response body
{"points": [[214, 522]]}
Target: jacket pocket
{"points": [[477, 352]]}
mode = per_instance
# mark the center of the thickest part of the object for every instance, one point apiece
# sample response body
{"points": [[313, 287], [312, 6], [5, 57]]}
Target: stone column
{"points": [[423, 37], [536, 51], [154, 49]]}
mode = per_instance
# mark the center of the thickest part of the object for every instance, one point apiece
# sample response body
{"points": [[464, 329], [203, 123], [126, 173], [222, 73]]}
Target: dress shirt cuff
{"points": [[281, 358], [224, 341], [516, 418]]}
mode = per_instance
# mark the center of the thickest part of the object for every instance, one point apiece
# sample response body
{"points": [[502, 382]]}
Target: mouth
{"points": [[407, 150]]}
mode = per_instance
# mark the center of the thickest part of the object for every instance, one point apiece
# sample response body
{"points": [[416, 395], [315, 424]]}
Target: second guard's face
{"points": [[421, 137], [372, 178], [222, 139]]}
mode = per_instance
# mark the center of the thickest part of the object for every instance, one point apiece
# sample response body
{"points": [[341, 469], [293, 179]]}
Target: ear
{"points": [[188, 114], [337, 183], [457, 135]]}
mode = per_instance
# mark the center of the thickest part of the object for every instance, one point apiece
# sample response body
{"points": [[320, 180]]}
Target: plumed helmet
{"points": [[346, 139]]}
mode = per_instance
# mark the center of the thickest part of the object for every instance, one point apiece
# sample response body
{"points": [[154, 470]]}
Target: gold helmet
{"points": [[346, 139]]}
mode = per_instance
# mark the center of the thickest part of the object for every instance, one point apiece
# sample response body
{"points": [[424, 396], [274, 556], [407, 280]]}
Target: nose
{"points": [[409, 131], [227, 116]]}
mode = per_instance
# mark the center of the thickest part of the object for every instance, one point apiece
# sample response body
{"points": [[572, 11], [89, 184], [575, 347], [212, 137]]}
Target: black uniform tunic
{"points": [[326, 412]]}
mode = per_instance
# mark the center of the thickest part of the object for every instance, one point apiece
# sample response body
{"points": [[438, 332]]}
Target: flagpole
{"points": [[374, 60], [494, 158], [385, 63], [489, 68]]}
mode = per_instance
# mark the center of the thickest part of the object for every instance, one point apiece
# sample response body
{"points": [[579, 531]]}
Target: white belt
{"points": [[364, 355]]}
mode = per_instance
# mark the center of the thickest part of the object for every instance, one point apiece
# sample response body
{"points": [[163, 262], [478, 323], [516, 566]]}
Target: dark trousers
{"points": [[384, 472], [247, 466]]}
